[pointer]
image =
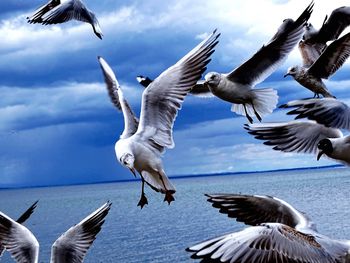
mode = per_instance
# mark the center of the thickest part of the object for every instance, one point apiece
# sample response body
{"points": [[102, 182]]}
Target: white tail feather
{"points": [[264, 101]]}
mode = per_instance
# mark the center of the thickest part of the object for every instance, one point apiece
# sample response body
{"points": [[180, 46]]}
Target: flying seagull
{"points": [[236, 87], [60, 11], [278, 233], [304, 137], [317, 67], [21, 220], [331, 29], [143, 141], [72, 246]]}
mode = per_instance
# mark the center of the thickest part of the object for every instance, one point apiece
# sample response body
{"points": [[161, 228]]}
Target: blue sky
{"points": [[57, 125]]}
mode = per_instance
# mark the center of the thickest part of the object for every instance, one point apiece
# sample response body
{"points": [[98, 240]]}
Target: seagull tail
{"points": [[263, 102]]}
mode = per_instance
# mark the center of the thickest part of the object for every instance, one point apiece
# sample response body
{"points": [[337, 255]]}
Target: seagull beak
{"points": [[133, 171], [319, 155]]}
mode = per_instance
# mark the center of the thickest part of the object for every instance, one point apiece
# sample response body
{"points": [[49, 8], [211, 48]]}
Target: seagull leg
{"points": [[168, 193], [143, 199], [247, 115], [256, 113]]}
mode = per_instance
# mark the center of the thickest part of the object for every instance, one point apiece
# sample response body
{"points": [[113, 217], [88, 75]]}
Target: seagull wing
{"points": [[329, 112], [271, 56], [116, 95], [294, 136], [332, 58], [27, 213], [334, 25], [255, 210], [67, 11], [162, 99], [18, 240], [201, 89], [265, 243], [310, 52], [37, 17], [72, 246]]}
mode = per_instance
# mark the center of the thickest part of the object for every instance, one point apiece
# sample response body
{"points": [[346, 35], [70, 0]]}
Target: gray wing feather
{"points": [[18, 240], [294, 136], [72, 246], [116, 95], [162, 99], [264, 243], [67, 11], [255, 210], [332, 58], [329, 112], [271, 56], [37, 16], [309, 52], [334, 25]]}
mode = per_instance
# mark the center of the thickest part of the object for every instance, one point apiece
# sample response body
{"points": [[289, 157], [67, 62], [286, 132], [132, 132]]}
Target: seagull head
{"points": [[212, 78], [292, 71], [310, 31], [128, 160], [325, 147]]}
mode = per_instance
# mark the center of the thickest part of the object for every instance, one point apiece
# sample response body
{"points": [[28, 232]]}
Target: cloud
{"points": [[55, 115]]}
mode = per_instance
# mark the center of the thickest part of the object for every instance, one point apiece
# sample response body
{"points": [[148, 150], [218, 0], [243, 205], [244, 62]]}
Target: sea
{"points": [[161, 232]]}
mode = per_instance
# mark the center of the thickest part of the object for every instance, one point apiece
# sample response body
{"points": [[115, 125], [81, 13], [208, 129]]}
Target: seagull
{"points": [[331, 29], [143, 141], [236, 87], [316, 68], [305, 136], [60, 11], [277, 232], [21, 220], [72, 246]]}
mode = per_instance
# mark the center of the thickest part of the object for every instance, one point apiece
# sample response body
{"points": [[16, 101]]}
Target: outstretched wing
{"points": [[334, 25], [73, 245], [116, 95], [271, 56], [266, 243], [66, 11], [162, 99], [310, 52], [18, 240], [328, 111], [294, 136], [201, 89], [332, 58], [37, 16], [257, 209]]}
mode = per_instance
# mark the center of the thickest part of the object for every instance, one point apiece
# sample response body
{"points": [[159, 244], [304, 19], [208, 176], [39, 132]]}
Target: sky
{"points": [[57, 125]]}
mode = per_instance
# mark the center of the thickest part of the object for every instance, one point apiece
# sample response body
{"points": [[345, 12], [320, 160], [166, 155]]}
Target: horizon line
{"points": [[175, 177]]}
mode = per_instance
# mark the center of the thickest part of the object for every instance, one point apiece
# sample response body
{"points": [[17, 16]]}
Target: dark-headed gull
{"points": [[71, 246], [278, 233], [304, 137], [21, 220], [236, 87], [60, 11], [142, 143]]}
